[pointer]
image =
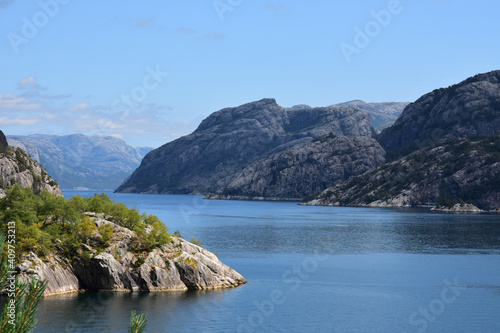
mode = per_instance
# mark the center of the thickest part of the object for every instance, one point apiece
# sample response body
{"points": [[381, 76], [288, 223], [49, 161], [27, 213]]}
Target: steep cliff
{"points": [[17, 167], [229, 140], [471, 107], [80, 161], [457, 170], [305, 169]]}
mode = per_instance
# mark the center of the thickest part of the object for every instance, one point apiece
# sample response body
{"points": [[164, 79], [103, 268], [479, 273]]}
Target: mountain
{"points": [[3, 140], [17, 167], [445, 173], [79, 161], [471, 107], [229, 140], [382, 114], [304, 169]]}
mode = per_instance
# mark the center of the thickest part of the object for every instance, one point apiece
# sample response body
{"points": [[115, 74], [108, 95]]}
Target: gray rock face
{"points": [[16, 167], [79, 161], [56, 270], [457, 169], [471, 107], [382, 113], [178, 266], [3, 140], [305, 169], [230, 139]]}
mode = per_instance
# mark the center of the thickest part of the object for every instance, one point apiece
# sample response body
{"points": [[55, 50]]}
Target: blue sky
{"points": [[149, 71]]}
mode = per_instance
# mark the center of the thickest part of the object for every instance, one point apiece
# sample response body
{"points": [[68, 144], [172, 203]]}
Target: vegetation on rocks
{"points": [[46, 223]]}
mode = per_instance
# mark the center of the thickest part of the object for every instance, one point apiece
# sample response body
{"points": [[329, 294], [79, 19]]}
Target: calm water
{"points": [[312, 269]]}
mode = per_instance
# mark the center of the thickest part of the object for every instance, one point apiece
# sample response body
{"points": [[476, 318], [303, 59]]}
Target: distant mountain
{"points": [[457, 170], [382, 113], [304, 169], [471, 107], [231, 139], [79, 161]]}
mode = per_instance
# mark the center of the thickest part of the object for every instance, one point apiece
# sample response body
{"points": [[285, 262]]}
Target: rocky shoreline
{"points": [[180, 265]]}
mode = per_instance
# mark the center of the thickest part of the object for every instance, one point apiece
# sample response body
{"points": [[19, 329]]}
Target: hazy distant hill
{"points": [[230, 139], [79, 161]]}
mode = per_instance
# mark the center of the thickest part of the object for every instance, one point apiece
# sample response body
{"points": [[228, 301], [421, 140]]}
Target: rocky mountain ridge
{"points": [[471, 107], [230, 139], [305, 169], [446, 173]]}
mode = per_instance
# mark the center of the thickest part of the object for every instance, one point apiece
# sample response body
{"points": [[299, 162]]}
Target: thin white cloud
{"points": [[12, 102], [146, 23], [276, 7], [213, 36], [18, 121], [30, 82], [78, 107], [185, 30]]}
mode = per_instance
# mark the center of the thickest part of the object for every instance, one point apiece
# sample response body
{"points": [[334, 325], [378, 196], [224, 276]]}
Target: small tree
{"points": [[138, 322], [24, 299]]}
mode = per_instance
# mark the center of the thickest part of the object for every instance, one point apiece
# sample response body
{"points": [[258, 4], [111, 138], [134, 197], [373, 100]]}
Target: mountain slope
{"points": [[382, 113], [471, 107], [230, 139], [95, 162], [465, 169], [17, 167], [304, 169]]}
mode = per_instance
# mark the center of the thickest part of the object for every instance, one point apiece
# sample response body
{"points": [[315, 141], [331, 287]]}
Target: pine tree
{"points": [[25, 297], [138, 322]]}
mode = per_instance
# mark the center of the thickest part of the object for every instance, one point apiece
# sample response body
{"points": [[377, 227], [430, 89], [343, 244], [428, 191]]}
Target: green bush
{"points": [[44, 222]]}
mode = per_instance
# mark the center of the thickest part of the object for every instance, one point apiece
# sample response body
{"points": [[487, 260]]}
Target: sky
{"points": [[150, 71]]}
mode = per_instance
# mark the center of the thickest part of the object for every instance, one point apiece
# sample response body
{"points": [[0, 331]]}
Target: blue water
{"points": [[311, 269]]}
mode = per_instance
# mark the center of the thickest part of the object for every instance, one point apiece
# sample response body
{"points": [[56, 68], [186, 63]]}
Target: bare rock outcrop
{"points": [[471, 107], [454, 171], [17, 167], [180, 265], [304, 170]]}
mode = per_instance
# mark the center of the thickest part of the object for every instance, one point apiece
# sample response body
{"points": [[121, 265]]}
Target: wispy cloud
{"points": [[213, 36], [185, 30], [22, 121], [277, 8], [149, 22], [12, 102], [78, 107], [30, 83], [5, 3]]}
